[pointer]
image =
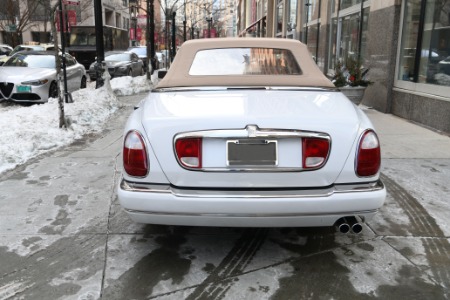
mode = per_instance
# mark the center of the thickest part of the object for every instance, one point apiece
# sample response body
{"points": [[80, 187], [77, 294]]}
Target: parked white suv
{"points": [[40, 47]]}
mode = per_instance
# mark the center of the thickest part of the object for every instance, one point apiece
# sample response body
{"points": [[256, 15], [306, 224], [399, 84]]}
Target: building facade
{"points": [[405, 44], [32, 18]]}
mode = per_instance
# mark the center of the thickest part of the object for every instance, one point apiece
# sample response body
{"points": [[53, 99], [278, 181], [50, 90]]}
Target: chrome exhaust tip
{"points": [[342, 226], [355, 226]]}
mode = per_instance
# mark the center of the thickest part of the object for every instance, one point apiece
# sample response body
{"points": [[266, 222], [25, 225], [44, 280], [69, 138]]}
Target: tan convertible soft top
{"points": [[178, 74]]}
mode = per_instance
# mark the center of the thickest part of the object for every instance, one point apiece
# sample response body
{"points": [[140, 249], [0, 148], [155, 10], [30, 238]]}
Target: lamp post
{"points": [[134, 19], [307, 17], [99, 42], [174, 33], [184, 22], [151, 35], [209, 20]]}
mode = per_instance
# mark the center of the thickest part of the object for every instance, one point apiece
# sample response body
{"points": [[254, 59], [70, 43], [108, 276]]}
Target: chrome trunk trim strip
{"points": [[246, 215], [252, 131], [253, 193]]}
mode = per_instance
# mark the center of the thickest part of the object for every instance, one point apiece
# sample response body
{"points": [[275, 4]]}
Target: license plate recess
{"points": [[252, 152], [24, 89]]}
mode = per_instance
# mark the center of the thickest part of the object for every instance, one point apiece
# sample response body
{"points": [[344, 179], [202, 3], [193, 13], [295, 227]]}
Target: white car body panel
{"points": [[164, 200], [204, 110], [166, 205], [259, 106]]}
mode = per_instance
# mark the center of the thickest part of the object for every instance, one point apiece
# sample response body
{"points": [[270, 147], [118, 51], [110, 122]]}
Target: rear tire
{"points": [[53, 90]]}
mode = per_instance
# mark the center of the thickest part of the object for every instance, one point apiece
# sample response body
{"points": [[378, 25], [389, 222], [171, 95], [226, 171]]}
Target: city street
{"points": [[63, 234]]}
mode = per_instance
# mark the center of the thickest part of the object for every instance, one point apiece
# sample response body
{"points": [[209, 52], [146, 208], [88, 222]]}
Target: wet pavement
{"points": [[63, 234]]}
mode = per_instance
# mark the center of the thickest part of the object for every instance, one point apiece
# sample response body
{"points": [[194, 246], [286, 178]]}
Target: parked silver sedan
{"points": [[31, 77], [120, 64]]}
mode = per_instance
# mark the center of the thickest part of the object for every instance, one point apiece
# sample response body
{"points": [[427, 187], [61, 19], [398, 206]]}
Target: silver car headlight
{"points": [[122, 68], [35, 82]]}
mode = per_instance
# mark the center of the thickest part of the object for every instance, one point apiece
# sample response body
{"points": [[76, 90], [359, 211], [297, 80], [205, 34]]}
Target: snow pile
{"points": [[28, 131]]}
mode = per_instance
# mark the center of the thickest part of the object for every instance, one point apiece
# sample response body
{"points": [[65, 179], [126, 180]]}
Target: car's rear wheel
{"points": [[53, 90], [83, 82], [142, 71]]}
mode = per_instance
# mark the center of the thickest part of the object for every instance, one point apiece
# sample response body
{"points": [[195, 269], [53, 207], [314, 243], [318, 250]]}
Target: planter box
{"points": [[354, 93]]}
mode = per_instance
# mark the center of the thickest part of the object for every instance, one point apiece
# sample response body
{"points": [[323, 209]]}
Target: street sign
{"points": [[142, 20], [71, 2], [11, 28]]}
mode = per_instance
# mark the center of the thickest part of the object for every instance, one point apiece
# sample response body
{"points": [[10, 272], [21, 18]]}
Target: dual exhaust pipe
{"points": [[345, 224]]}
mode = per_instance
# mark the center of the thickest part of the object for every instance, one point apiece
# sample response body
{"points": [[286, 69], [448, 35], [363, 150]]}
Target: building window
{"points": [[348, 40], [425, 47], [312, 42], [292, 19], [39, 11], [349, 3], [41, 37], [279, 20], [311, 29]]}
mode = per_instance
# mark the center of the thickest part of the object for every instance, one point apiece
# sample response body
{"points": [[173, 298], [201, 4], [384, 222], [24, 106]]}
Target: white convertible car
{"points": [[249, 133]]}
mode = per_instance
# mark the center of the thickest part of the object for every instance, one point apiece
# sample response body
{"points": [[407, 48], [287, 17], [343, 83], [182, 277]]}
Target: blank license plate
{"points": [[251, 153], [24, 89]]}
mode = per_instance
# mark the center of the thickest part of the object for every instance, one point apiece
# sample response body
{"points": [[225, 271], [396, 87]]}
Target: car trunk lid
{"points": [[329, 113]]}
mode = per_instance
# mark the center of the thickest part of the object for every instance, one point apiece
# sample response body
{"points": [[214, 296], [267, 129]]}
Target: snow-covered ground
{"points": [[28, 131]]}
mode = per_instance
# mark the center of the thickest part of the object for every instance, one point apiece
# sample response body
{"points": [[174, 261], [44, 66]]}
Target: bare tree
{"points": [[29, 14], [53, 10]]}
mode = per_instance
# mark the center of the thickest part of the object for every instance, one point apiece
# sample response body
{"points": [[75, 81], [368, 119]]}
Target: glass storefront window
{"points": [[311, 43], [365, 34], [292, 14], [349, 42], [280, 17], [430, 65], [333, 49], [409, 40], [435, 53]]}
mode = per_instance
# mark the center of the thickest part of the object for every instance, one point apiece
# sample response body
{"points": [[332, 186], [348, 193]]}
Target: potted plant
{"points": [[351, 79]]}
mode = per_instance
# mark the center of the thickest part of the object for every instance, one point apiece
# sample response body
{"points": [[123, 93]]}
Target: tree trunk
{"points": [[62, 119]]}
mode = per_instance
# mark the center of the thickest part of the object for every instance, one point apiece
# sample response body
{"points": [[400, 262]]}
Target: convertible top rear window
{"points": [[244, 61]]}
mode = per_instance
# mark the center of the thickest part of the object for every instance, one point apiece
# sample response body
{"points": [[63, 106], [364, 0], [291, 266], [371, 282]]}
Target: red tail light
{"points": [[368, 158], [189, 152], [315, 152], [135, 155]]}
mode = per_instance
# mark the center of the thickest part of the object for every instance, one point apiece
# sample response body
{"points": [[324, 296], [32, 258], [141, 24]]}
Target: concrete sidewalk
{"points": [[63, 234], [401, 138]]}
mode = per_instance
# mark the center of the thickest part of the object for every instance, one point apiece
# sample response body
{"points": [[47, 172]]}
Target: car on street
{"points": [[248, 132], [5, 50], [141, 51], [30, 77], [19, 48], [120, 64]]}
